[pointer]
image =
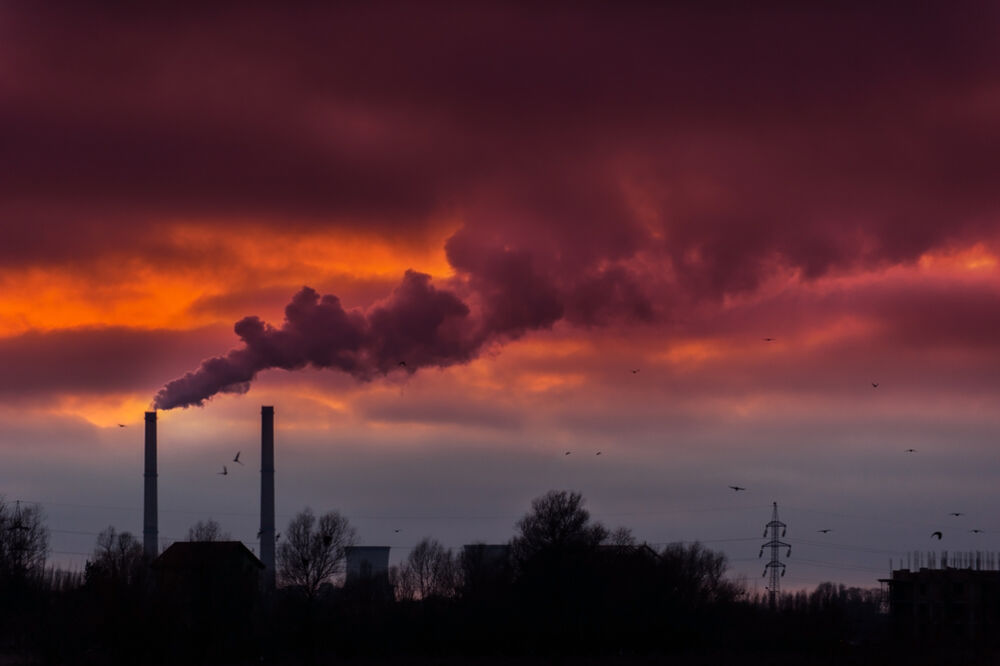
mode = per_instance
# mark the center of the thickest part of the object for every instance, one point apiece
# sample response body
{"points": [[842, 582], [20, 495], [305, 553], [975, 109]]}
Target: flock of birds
{"points": [[236, 459], [402, 364], [937, 534], [934, 535]]}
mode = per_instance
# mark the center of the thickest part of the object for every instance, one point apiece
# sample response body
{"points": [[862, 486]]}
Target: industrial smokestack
{"points": [[150, 531], [267, 495]]}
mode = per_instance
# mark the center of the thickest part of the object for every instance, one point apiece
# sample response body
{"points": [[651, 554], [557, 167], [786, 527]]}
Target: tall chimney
{"points": [[267, 495], [150, 531]]}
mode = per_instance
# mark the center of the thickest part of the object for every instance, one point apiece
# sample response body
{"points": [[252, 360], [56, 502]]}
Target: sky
{"points": [[451, 242]]}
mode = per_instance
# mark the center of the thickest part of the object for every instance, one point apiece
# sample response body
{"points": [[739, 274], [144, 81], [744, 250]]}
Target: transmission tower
{"points": [[776, 567]]}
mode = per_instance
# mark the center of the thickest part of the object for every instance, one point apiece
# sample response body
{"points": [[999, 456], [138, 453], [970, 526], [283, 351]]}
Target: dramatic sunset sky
{"points": [[525, 204]]}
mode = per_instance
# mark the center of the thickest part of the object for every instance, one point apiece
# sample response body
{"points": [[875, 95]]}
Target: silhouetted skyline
{"points": [[696, 249]]}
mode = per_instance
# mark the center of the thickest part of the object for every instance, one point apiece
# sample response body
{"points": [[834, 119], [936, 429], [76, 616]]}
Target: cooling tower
{"points": [[150, 531], [367, 562], [267, 495]]}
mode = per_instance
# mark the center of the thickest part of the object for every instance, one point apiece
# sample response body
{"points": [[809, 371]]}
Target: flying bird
{"points": [[737, 488], [237, 458], [224, 471], [827, 531], [956, 514], [768, 339], [396, 531], [598, 453], [976, 531], [911, 450], [936, 534], [635, 371], [121, 425], [874, 384], [568, 452], [402, 364]]}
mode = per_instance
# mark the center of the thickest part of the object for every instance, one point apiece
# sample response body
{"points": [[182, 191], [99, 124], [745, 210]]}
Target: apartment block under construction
{"points": [[956, 601]]}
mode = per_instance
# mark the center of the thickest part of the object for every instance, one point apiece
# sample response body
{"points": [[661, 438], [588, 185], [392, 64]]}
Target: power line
{"points": [[508, 516], [834, 565], [890, 521], [841, 546]]}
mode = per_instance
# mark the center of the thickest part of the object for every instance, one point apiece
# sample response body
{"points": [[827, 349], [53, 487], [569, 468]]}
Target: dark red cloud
{"points": [[602, 149], [418, 326]]}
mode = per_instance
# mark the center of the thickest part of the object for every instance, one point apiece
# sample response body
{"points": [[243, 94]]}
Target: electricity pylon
{"points": [[775, 566]]}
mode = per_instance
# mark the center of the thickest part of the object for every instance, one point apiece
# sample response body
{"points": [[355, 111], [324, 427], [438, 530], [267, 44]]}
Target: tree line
{"points": [[565, 584]]}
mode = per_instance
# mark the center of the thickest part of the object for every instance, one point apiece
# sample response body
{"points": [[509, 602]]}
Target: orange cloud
{"points": [[977, 258], [148, 293]]}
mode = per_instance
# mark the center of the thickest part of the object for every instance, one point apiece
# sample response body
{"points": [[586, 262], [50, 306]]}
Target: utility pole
{"points": [[776, 567]]}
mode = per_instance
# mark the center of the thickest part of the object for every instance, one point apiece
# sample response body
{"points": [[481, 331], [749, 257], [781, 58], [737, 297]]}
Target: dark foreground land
{"points": [[932, 657], [592, 597]]}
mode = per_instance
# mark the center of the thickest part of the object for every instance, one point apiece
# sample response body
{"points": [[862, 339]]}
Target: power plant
{"points": [[150, 530]]}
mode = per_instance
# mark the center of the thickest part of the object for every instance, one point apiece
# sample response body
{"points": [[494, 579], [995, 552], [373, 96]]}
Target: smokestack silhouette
{"points": [[267, 495], [150, 530]]}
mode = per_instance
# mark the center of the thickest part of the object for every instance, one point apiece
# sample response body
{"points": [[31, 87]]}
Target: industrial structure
{"points": [[150, 530], [367, 562], [207, 591], [267, 535], [957, 600], [776, 567]]}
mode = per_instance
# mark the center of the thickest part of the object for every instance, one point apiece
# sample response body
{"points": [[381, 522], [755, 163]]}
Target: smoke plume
{"points": [[417, 326], [506, 292]]}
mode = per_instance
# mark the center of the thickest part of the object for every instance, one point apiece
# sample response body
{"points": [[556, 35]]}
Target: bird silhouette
{"points": [[635, 371], [737, 488], [396, 531], [224, 471], [402, 364], [768, 339], [911, 450], [568, 452], [237, 458], [121, 425], [874, 384], [956, 514], [936, 534], [976, 531], [827, 531], [598, 453]]}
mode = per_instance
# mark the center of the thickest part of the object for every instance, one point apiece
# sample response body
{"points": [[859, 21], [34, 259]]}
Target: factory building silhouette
{"points": [[200, 571]]}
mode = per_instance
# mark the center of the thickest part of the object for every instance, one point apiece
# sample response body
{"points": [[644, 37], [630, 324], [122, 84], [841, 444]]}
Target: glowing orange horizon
{"points": [[564, 359], [128, 292]]}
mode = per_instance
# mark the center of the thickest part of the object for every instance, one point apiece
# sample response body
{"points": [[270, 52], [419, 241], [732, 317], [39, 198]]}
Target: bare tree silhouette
{"points": [[117, 558], [557, 521], [313, 550], [207, 530], [696, 575], [430, 570]]}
